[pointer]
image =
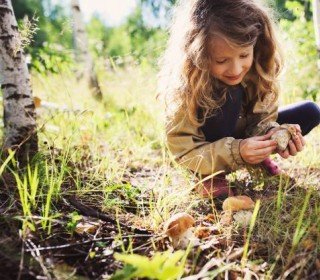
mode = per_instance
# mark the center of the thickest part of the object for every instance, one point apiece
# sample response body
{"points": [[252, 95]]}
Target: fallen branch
{"points": [[63, 246], [90, 212]]}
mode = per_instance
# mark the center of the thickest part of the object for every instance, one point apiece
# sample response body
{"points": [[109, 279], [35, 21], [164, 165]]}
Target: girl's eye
{"points": [[244, 55], [221, 61]]}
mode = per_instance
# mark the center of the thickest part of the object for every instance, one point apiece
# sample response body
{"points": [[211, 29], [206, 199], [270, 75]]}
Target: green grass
{"points": [[111, 155]]}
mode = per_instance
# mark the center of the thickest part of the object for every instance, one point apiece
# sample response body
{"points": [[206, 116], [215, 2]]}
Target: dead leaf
{"points": [[202, 232], [212, 218], [86, 137], [226, 218], [37, 101], [87, 227], [308, 244]]}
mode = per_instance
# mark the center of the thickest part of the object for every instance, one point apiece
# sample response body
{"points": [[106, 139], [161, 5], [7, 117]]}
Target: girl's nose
{"points": [[236, 69]]}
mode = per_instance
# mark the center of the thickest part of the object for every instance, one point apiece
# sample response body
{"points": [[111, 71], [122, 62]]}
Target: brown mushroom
{"points": [[179, 228], [237, 203], [283, 135]]}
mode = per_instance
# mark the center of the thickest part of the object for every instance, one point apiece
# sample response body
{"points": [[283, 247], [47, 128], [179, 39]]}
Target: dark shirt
{"points": [[223, 122]]}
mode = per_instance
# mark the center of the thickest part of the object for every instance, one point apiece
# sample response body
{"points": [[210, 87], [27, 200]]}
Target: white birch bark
{"points": [[316, 21], [19, 110], [81, 47]]}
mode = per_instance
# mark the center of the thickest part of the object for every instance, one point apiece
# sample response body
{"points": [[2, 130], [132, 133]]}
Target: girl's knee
{"points": [[313, 111]]}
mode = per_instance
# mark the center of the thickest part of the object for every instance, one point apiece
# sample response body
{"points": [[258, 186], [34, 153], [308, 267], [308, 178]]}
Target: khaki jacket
{"points": [[189, 147]]}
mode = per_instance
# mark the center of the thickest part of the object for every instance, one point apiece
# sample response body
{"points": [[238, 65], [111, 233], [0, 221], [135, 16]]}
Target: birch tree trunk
{"points": [[316, 21], [19, 111], [82, 54]]}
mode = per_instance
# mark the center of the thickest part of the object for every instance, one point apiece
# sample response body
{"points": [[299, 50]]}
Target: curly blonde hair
{"points": [[185, 79]]}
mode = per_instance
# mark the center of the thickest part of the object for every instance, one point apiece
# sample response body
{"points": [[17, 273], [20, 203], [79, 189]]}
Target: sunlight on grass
{"points": [[119, 163], [111, 154]]}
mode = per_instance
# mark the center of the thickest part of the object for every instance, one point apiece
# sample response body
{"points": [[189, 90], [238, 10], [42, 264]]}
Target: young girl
{"points": [[219, 74]]}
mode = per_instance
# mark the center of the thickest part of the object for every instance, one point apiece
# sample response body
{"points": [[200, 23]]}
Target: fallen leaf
{"points": [[202, 232], [308, 244], [211, 218], [37, 101], [86, 227], [86, 137], [226, 218]]}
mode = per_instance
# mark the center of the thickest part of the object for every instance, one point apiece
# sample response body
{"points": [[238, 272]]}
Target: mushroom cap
{"points": [[284, 134], [237, 203], [282, 138], [178, 224]]}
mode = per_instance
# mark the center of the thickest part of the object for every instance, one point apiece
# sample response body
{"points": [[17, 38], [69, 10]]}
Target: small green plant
{"points": [[74, 217], [162, 266], [28, 187], [302, 226], [5, 163], [252, 223], [53, 180]]}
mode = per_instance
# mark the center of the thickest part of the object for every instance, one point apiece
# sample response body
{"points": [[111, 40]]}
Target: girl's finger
{"points": [[298, 144], [298, 128], [292, 148], [265, 151], [303, 141], [284, 154], [264, 137], [257, 145]]}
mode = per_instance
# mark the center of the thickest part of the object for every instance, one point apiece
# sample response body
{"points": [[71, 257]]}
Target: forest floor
{"points": [[104, 183]]}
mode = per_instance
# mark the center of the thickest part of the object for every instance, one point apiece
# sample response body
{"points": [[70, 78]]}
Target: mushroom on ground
{"points": [[179, 229], [243, 217], [237, 203]]}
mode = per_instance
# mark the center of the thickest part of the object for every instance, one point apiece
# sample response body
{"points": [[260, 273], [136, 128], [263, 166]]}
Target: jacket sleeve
{"points": [[189, 147], [261, 116]]}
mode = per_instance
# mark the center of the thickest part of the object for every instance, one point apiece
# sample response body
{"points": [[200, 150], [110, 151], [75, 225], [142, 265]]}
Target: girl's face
{"points": [[229, 64]]}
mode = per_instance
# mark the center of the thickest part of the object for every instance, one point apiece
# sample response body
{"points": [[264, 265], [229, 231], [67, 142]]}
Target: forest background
{"points": [[110, 155]]}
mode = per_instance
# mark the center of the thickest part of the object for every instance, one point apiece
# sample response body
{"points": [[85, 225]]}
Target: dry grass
{"points": [[114, 159]]}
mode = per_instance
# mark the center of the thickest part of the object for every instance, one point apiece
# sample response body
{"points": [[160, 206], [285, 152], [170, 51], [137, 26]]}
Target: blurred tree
{"points": [[82, 54], [316, 21], [53, 39], [158, 5], [19, 111], [138, 31], [157, 12], [284, 12], [99, 36]]}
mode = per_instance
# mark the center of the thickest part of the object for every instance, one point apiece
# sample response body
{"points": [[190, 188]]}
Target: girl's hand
{"points": [[296, 144], [255, 149]]}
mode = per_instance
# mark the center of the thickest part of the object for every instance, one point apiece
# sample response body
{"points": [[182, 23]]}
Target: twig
{"points": [[236, 254], [293, 268], [83, 242], [88, 211], [21, 262], [37, 256], [91, 247], [204, 271]]}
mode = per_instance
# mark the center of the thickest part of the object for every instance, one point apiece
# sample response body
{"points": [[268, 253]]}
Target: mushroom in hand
{"points": [[283, 135]]}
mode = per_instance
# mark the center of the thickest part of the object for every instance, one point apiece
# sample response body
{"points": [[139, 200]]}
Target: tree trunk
{"points": [[19, 111], [82, 54]]}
